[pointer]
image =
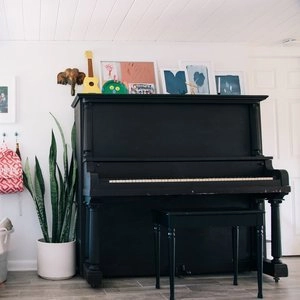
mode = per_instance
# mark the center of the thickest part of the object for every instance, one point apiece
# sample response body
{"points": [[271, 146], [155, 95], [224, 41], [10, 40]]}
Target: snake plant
{"points": [[62, 190]]}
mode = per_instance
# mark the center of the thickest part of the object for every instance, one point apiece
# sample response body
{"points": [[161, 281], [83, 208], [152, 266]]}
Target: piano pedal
{"points": [[181, 271]]}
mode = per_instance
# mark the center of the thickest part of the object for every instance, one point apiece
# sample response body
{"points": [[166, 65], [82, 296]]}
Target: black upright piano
{"points": [[141, 152]]}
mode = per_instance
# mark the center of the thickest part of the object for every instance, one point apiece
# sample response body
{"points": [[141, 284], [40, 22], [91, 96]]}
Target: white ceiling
{"points": [[255, 22]]}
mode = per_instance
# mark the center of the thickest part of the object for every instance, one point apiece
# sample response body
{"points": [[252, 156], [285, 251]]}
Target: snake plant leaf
{"points": [[39, 187], [61, 202], [73, 138], [36, 188], [68, 229], [27, 178], [53, 187], [65, 147], [39, 176]]}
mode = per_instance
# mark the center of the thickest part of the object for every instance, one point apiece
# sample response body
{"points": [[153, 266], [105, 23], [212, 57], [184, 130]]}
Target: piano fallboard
{"points": [[150, 178], [100, 188]]}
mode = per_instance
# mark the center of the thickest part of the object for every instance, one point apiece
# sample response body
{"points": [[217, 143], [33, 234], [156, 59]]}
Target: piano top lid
{"points": [[167, 98]]}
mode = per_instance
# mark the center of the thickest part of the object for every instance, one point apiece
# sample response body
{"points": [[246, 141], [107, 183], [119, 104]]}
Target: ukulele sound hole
{"points": [[91, 83]]}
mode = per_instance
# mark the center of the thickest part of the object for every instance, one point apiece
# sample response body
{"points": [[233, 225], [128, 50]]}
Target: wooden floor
{"points": [[27, 285]]}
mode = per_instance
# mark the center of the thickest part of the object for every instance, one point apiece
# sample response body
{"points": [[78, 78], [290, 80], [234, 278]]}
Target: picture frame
{"points": [[174, 81], [140, 77], [7, 99], [200, 77], [229, 82]]}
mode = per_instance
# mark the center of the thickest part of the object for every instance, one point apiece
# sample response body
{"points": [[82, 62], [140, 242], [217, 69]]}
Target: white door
{"points": [[280, 79]]}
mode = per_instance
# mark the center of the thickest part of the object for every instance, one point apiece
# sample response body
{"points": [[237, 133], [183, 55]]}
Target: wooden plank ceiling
{"points": [[256, 22]]}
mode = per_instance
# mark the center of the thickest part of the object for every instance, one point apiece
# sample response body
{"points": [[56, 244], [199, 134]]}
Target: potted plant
{"points": [[52, 261]]}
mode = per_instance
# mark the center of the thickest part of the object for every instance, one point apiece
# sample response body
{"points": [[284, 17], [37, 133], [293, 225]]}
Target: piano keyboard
{"points": [[174, 180]]}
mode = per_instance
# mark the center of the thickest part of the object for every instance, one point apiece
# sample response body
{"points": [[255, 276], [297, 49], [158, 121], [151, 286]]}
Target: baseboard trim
{"points": [[21, 265]]}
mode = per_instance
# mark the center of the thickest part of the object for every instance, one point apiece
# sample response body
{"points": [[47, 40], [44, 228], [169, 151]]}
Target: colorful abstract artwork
{"points": [[138, 77]]}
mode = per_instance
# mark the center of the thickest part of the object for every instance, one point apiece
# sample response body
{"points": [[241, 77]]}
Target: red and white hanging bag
{"points": [[11, 172]]}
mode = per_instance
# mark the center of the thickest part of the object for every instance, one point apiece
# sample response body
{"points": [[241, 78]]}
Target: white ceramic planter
{"points": [[56, 261]]}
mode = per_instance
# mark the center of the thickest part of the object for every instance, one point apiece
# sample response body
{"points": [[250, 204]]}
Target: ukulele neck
{"points": [[90, 68]]}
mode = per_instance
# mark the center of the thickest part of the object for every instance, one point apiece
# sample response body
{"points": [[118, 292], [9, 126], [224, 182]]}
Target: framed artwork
{"points": [[200, 77], [229, 83], [174, 81], [7, 100], [139, 77]]}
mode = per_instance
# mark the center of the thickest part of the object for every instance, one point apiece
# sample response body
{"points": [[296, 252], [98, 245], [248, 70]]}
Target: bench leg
{"points": [[171, 238], [259, 231], [235, 253], [156, 229]]}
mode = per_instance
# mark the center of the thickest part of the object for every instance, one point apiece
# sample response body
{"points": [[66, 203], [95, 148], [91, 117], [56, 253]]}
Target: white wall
{"points": [[35, 66]]}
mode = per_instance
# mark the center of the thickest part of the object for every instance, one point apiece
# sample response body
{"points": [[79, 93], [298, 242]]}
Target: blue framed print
{"points": [[229, 83], [174, 81]]}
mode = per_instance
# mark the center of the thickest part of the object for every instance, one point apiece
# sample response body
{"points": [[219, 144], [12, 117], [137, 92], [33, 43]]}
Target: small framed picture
{"points": [[174, 81], [7, 100], [200, 77], [138, 76], [229, 83]]}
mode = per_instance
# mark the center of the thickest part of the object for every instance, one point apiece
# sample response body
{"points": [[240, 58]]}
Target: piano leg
{"points": [[235, 252], [275, 267], [92, 272], [171, 238], [157, 254]]}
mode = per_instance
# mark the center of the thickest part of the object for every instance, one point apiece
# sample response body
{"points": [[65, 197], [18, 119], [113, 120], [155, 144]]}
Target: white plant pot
{"points": [[56, 261]]}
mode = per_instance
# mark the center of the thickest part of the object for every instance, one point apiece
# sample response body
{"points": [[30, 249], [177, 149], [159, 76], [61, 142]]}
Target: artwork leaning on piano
{"points": [[200, 77], [139, 77], [56, 250], [174, 81], [137, 153], [229, 83]]}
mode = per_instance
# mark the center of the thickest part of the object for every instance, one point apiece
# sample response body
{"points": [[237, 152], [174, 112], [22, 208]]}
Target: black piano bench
{"points": [[190, 218]]}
